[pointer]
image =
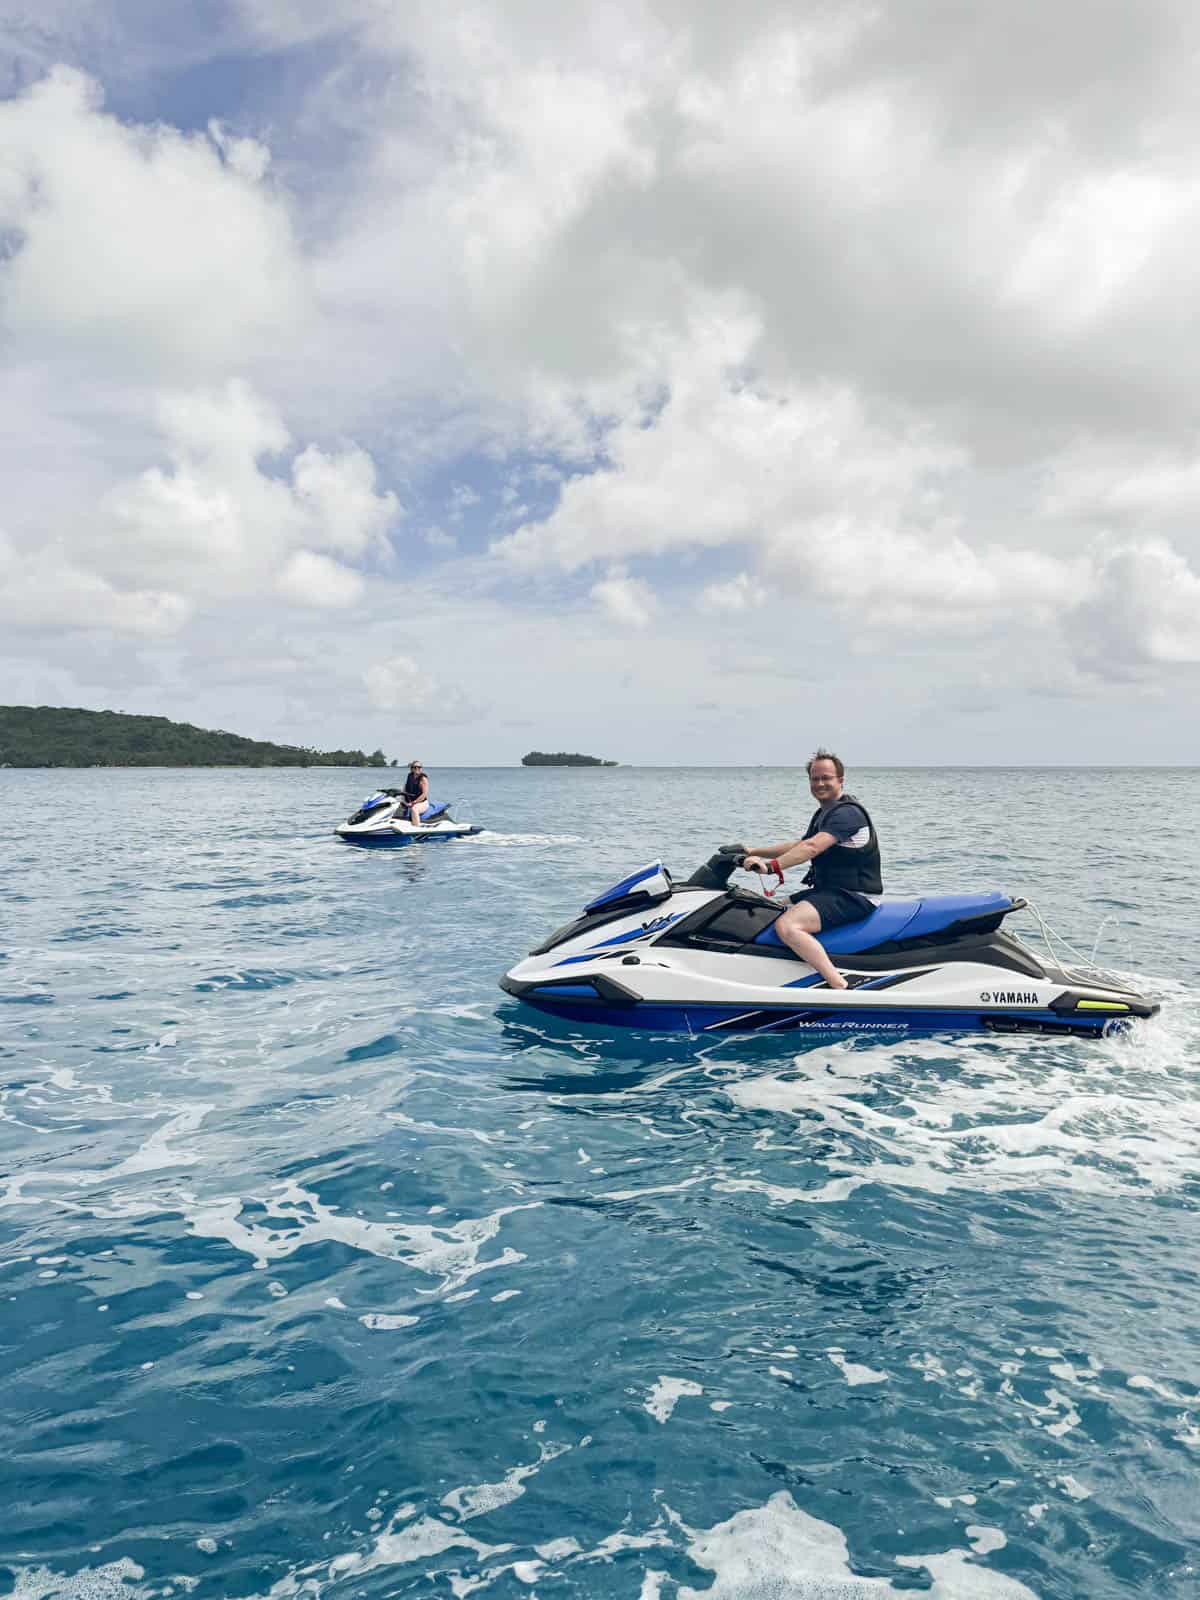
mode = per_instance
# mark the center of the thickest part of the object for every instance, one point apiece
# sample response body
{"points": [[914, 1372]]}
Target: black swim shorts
{"points": [[835, 907]]}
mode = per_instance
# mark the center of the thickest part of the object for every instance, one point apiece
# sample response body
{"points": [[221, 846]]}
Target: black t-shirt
{"points": [[848, 824]]}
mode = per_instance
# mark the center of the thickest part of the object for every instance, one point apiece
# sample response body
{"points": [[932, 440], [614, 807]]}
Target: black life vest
{"points": [[860, 870], [412, 786]]}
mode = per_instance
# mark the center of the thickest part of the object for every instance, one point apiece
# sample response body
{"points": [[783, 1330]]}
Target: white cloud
{"points": [[139, 248], [216, 523], [1091, 247], [339, 494], [627, 600], [462, 498], [725, 458], [1142, 612], [1131, 486], [887, 578], [212, 525], [740, 594], [437, 538], [314, 580], [406, 686], [888, 306], [44, 590]]}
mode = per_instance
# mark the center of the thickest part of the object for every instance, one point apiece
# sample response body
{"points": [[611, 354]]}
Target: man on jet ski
{"points": [[844, 871], [416, 792]]}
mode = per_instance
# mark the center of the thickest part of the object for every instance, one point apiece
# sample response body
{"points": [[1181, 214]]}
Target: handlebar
{"points": [[716, 871]]}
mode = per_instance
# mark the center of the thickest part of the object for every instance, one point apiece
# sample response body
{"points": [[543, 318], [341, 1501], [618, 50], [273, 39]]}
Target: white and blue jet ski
{"points": [[701, 957], [383, 819]]}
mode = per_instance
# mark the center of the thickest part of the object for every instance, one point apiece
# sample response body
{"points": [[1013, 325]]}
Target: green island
{"points": [[563, 758], [68, 736]]}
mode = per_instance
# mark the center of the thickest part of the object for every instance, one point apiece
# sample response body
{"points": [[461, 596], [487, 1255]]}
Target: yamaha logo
{"points": [[1010, 997], [985, 997]]}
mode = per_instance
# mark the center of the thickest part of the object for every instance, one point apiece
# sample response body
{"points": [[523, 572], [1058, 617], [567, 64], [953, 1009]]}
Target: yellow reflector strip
{"points": [[1101, 1005]]}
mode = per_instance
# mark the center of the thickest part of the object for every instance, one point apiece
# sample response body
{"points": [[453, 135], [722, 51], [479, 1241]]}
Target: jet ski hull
{"points": [[691, 959], [704, 1017], [403, 833]]}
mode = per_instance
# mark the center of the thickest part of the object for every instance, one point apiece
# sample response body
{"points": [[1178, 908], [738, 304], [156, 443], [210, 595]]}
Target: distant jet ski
{"points": [[383, 819], [700, 957]]}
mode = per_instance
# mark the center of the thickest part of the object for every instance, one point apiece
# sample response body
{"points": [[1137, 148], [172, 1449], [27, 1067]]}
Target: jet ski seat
{"points": [[908, 919], [431, 813]]}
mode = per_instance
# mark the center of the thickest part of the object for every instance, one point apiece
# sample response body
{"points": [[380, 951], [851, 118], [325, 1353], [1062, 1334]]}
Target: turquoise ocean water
{"points": [[329, 1271]]}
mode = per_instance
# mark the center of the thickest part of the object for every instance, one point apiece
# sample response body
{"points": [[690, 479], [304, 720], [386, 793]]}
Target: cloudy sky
{"points": [[676, 381]]}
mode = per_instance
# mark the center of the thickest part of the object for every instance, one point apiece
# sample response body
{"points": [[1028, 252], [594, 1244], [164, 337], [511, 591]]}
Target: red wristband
{"points": [[777, 869]]}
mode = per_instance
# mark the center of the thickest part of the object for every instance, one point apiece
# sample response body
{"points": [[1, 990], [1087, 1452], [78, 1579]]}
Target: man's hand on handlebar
{"points": [[754, 864]]}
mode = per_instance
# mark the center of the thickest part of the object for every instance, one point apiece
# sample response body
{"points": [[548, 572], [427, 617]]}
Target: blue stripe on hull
{"points": [[383, 842], [700, 1018]]}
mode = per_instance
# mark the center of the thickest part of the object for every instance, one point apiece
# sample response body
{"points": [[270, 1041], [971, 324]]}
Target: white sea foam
{"points": [[781, 1195], [404, 1121], [984, 1540], [956, 1577], [774, 1551], [660, 1188], [1054, 1413], [450, 1253], [116, 1580], [559, 1549], [408, 1538], [158, 1150], [779, 1552], [1140, 1381], [402, 1542], [476, 1500], [1072, 1487], [487, 837], [382, 1320], [1084, 1377], [1069, 1418], [666, 1394], [853, 1372], [929, 1364], [1113, 1117]]}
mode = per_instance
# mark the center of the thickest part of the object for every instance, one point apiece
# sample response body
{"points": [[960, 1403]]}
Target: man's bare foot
{"points": [[838, 982]]}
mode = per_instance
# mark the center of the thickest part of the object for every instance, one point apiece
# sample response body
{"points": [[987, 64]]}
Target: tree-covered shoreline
{"points": [[69, 736], [563, 758]]}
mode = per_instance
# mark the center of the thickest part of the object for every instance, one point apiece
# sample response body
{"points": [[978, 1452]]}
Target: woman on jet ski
{"points": [[416, 792], [844, 871]]}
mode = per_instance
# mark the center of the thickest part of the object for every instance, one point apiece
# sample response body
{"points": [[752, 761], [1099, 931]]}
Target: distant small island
{"points": [[561, 758], [68, 736]]}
